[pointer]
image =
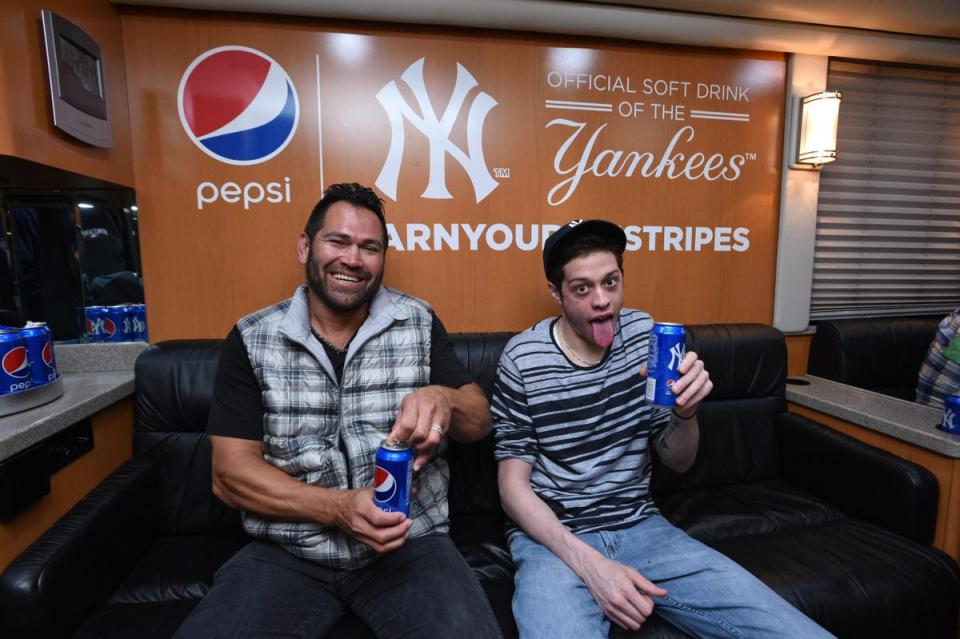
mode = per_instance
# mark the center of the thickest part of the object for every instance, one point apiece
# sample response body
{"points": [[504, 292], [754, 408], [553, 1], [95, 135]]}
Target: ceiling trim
{"points": [[610, 21]]}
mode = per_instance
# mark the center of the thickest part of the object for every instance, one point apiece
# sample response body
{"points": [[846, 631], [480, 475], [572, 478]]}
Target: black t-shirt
{"points": [[237, 407]]}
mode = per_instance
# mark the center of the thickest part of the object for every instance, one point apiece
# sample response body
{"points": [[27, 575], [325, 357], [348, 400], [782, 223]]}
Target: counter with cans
{"points": [[903, 420], [91, 377], [83, 395]]}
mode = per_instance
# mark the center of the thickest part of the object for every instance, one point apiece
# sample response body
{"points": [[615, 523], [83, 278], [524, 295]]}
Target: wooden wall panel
{"points": [[113, 444], [26, 121], [798, 351], [205, 268]]}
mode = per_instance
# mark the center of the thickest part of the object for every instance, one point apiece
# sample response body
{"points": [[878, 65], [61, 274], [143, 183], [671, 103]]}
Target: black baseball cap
{"points": [[575, 229]]}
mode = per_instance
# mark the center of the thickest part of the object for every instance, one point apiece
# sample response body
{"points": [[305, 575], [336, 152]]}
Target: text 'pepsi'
{"points": [[249, 193], [393, 477]]}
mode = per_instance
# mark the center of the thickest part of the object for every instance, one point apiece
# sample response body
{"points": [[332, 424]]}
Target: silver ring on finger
{"points": [[438, 428]]}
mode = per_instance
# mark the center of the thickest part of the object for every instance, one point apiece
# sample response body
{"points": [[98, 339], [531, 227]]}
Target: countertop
{"points": [[94, 377], [898, 418]]}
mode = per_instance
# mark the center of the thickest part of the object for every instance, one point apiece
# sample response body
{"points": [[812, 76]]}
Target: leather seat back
{"points": [[473, 492], [881, 354], [174, 385], [738, 437]]}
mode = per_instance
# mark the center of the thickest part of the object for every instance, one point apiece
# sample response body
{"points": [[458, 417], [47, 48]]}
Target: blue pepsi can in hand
{"points": [[39, 343], [393, 477], [666, 350], [14, 362], [951, 414]]}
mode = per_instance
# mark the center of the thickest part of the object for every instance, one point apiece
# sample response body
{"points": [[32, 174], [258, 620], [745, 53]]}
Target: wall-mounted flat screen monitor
{"points": [[77, 88]]}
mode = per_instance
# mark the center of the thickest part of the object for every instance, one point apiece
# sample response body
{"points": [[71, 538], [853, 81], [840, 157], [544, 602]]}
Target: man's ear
{"points": [[555, 293], [303, 248]]}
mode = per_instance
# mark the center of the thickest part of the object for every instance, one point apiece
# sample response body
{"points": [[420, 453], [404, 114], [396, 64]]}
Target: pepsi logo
{"points": [[15, 362], [238, 105], [384, 485], [47, 354]]}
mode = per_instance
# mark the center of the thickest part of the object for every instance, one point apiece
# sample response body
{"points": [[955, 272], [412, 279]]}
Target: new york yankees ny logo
{"points": [[676, 355], [437, 131]]}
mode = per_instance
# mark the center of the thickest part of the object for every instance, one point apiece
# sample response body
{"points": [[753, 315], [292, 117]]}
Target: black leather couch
{"points": [[839, 528], [880, 354]]}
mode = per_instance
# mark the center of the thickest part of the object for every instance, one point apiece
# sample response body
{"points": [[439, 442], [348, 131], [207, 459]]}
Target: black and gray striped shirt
{"points": [[585, 431]]}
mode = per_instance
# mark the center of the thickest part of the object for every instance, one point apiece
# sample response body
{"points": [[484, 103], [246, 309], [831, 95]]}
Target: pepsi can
{"points": [[666, 351], [96, 317], [43, 366], [14, 362], [116, 324], [139, 322], [951, 414], [393, 477]]}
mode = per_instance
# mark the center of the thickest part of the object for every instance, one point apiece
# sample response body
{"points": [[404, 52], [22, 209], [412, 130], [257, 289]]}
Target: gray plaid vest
{"points": [[326, 434]]}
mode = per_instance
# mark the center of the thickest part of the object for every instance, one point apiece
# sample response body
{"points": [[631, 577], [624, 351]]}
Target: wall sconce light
{"points": [[816, 141]]}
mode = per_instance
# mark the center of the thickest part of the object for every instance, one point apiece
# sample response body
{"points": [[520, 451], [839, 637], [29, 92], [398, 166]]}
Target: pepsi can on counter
{"points": [[117, 324], [39, 344], [14, 362], [951, 414], [138, 314], [666, 351], [393, 477], [96, 317]]}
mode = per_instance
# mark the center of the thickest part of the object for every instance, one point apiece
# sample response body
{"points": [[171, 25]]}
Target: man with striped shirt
{"points": [[573, 443]]}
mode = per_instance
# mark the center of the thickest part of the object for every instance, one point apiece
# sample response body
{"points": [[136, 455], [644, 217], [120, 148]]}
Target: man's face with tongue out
{"points": [[591, 297]]}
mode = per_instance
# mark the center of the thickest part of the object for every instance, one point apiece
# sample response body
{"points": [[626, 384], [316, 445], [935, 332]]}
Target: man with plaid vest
{"points": [[306, 391]]}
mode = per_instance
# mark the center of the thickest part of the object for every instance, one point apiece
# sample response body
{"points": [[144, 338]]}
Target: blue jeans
{"points": [[422, 589], [708, 594]]}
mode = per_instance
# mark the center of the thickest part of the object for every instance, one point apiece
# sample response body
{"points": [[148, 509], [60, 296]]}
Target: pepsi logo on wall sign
{"points": [[238, 105]]}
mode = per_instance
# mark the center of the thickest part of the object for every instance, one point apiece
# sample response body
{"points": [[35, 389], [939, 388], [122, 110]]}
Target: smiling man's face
{"points": [[344, 263]]}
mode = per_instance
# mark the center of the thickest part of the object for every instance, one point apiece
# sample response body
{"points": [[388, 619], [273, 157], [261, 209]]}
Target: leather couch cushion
{"points": [[720, 512], [187, 503], [180, 567], [857, 579], [154, 620]]}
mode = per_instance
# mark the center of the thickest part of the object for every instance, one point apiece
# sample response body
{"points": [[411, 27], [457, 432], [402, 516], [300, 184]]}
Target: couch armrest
{"points": [[863, 481], [76, 564]]}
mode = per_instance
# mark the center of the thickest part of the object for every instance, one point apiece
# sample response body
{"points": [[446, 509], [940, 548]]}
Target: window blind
{"points": [[888, 215]]}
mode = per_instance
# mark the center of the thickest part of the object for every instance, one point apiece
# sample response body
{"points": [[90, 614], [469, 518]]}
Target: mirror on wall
{"points": [[69, 243]]}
